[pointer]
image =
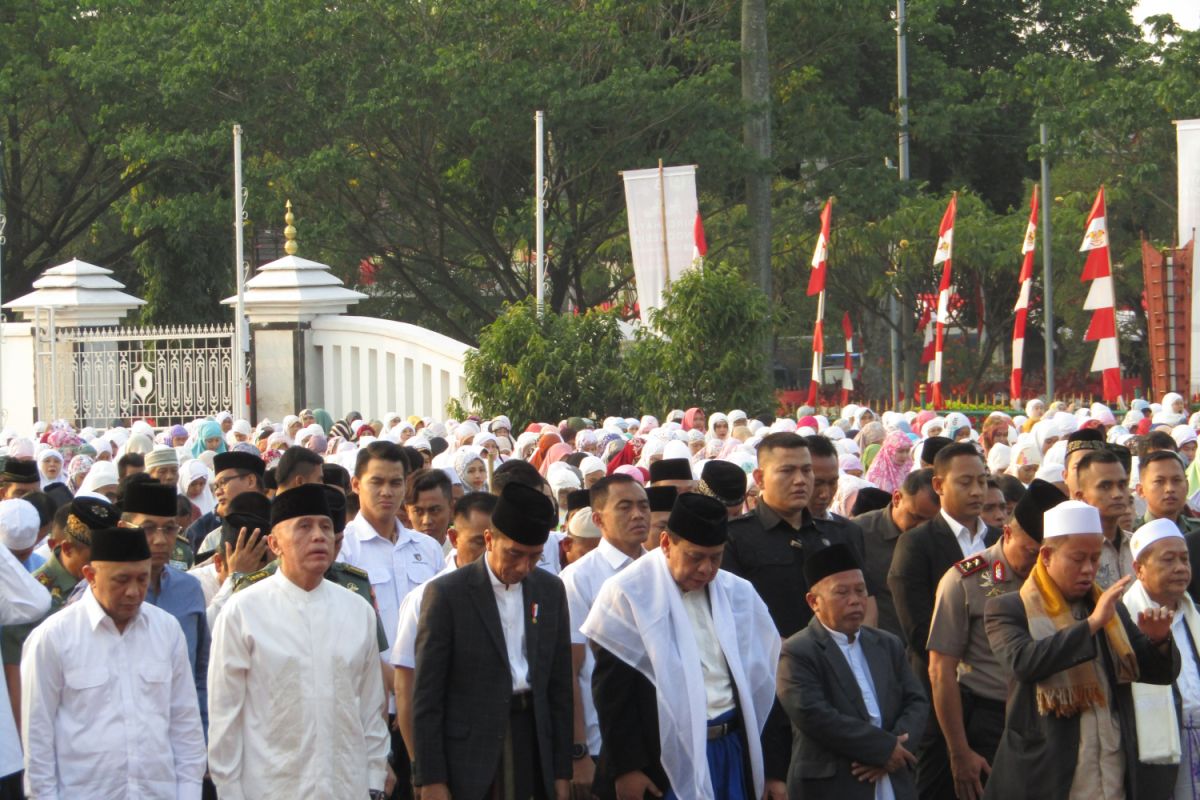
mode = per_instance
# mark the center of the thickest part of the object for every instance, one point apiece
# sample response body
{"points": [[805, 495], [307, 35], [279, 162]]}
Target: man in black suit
{"points": [[921, 559], [913, 504], [492, 697], [853, 701]]}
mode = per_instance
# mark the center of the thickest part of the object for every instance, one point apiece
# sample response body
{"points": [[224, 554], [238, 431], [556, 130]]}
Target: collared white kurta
{"points": [[296, 694], [110, 715]]}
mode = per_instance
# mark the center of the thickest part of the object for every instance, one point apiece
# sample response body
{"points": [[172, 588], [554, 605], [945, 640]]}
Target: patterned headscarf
{"points": [[884, 472]]}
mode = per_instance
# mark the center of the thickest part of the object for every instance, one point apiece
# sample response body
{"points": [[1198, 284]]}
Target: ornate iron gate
{"points": [[92, 376]]}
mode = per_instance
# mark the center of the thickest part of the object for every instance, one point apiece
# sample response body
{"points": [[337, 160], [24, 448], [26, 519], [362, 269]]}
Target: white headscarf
{"points": [[192, 470]]}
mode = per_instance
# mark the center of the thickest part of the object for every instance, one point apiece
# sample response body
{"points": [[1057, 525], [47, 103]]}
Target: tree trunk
{"points": [[756, 136]]}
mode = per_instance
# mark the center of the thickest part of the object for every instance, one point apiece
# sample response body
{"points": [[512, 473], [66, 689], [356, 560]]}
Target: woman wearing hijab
{"points": [[891, 465], [195, 484], [50, 467], [101, 482], [471, 469], [694, 418], [869, 434], [556, 453], [1034, 410], [77, 471], [323, 418], [547, 440], [209, 437], [718, 427]]}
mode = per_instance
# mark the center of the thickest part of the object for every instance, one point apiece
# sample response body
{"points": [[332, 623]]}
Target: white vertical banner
{"points": [[651, 196], [1187, 133]]}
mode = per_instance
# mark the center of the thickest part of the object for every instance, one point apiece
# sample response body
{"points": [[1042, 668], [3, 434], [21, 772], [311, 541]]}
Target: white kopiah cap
{"points": [[582, 526], [1150, 533], [19, 523], [1072, 517]]}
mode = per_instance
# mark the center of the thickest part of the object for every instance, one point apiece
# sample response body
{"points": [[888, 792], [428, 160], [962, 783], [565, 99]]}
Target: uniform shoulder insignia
{"points": [[251, 579], [969, 566], [351, 570]]}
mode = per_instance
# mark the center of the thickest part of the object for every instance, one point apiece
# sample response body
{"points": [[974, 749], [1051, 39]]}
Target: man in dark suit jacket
{"points": [[922, 557], [492, 696], [1039, 752], [853, 701], [913, 504]]}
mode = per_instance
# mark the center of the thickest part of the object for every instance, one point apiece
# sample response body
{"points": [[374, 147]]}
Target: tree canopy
{"points": [[403, 133]]}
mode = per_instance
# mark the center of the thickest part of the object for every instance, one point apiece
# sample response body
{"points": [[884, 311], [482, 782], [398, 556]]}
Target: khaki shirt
{"points": [[957, 628], [1116, 560]]}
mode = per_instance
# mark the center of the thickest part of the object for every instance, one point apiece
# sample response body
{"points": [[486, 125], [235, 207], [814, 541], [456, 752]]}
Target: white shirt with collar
{"points": [[969, 542], [394, 568], [510, 602], [857, 659], [582, 581], [110, 715]]}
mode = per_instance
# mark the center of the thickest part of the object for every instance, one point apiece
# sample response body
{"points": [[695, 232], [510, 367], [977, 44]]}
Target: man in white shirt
{"points": [[296, 705], [621, 510], [22, 600], [108, 691]]}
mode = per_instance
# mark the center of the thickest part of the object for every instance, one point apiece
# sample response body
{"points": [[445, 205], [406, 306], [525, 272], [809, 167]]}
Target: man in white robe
{"points": [[686, 656], [296, 695]]}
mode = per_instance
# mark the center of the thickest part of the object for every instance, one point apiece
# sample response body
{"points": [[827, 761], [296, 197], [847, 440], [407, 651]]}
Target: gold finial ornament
{"points": [[289, 232]]}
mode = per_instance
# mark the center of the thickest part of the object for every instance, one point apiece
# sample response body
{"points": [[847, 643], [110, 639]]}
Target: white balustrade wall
{"points": [[374, 366]]}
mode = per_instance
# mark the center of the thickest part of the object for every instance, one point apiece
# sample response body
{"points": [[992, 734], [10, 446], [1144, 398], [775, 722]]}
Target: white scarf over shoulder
{"points": [[639, 617], [1154, 706]]}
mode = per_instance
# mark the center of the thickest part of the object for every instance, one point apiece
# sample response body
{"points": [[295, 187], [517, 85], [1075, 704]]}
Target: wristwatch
{"points": [[579, 751]]}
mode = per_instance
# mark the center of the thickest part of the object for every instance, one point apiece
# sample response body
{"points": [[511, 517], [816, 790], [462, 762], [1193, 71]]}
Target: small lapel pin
{"points": [[533, 612]]}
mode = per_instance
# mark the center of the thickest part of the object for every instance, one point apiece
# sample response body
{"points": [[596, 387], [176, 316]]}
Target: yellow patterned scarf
{"points": [[1076, 689]]}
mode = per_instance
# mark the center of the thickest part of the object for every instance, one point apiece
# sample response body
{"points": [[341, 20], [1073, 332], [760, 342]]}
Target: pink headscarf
{"points": [[555, 454], [632, 471], [689, 418], [885, 472]]}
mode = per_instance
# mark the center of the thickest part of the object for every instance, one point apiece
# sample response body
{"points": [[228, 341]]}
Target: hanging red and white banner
{"points": [[848, 369], [816, 285], [700, 245], [1022, 308], [944, 255], [1101, 300]]}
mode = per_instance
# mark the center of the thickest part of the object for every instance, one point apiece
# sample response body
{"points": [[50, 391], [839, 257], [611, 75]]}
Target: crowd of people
{"points": [[711, 607]]}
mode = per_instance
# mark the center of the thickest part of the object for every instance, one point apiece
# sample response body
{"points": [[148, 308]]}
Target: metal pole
{"points": [[1169, 290], [662, 218], [902, 103], [1047, 270], [241, 328], [540, 168], [3, 225]]}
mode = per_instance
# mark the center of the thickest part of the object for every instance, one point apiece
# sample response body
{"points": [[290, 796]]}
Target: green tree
{"points": [[705, 346], [543, 368]]}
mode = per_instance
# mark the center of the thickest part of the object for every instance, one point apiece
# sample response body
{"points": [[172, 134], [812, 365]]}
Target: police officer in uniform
{"points": [[969, 684], [1163, 485], [352, 578]]}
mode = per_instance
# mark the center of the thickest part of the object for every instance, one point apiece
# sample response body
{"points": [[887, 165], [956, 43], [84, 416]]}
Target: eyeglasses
{"points": [[221, 482]]}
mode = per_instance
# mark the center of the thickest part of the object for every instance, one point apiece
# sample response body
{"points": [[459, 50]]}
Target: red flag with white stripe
{"points": [[700, 244], [848, 369], [1018, 341], [944, 255], [1101, 300], [816, 285]]}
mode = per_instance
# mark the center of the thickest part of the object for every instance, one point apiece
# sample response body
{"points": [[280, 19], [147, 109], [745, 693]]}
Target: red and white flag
{"points": [[944, 255], [848, 369], [816, 285], [1022, 308], [1101, 300], [700, 244]]}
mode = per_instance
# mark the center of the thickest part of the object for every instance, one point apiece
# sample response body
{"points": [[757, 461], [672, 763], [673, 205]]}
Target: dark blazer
{"points": [[830, 724], [627, 710], [1193, 546], [921, 559], [880, 536], [463, 686], [1037, 752]]}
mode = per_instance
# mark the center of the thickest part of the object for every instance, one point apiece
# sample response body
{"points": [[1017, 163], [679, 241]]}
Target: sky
{"points": [[1186, 12]]}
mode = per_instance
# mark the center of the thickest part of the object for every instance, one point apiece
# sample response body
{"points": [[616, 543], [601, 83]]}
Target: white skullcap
{"points": [[162, 456], [1104, 414], [19, 523], [999, 457], [562, 476], [581, 525], [676, 449], [1072, 517], [591, 464], [1182, 434], [1150, 533]]}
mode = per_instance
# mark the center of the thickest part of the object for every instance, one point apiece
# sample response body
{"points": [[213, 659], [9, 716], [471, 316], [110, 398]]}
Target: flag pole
{"points": [[539, 123], [662, 210], [1047, 271], [241, 329]]}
